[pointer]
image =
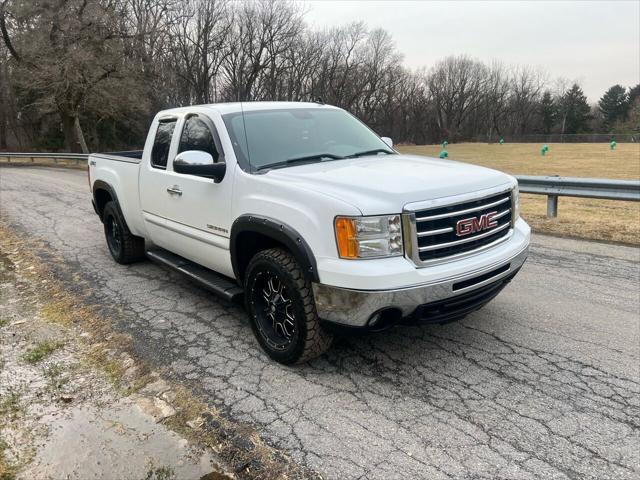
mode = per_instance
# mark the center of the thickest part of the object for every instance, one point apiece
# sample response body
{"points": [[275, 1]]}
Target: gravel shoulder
{"points": [[75, 404], [61, 417]]}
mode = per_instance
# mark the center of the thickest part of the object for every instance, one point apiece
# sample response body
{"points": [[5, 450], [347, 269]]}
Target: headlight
{"points": [[369, 237], [516, 203]]}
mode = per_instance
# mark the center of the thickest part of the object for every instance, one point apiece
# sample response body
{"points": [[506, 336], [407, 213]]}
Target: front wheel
{"points": [[280, 303]]}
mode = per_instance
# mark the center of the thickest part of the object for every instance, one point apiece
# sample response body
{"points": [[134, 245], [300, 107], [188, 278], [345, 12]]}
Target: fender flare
{"points": [[278, 231], [102, 185]]}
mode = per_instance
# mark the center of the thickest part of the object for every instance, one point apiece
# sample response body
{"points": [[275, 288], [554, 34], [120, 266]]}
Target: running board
{"points": [[222, 286]]}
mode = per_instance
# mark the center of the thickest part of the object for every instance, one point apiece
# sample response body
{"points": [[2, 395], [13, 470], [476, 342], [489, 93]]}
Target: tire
{"points": [[123, 245], [280, 304]]}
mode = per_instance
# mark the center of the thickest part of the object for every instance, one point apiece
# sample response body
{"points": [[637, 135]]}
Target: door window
{"points": [[162, 143], [196, 135]]}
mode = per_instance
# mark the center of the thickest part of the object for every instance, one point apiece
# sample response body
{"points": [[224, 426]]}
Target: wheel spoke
{"points": [[278, 321], [288, 333], [272, 288]]}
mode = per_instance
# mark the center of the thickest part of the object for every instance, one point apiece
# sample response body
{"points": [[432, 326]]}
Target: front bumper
{"points": [[365, 308]]}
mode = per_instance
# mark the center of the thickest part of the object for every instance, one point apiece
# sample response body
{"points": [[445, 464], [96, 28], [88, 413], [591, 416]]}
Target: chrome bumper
{"points": [[355, 308]]}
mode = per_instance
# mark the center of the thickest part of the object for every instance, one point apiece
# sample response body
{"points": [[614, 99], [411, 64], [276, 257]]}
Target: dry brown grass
{"points": [[564, 159], [44, 161], [588, 218]]}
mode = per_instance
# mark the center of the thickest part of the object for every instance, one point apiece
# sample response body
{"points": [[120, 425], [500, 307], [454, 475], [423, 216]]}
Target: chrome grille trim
{"points": [[464, 240], [461, 212], [430, 233], [417, 235], [501, 214]]}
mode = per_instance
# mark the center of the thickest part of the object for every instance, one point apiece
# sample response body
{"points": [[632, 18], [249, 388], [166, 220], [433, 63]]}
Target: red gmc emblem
{"points": [[467, 226]]}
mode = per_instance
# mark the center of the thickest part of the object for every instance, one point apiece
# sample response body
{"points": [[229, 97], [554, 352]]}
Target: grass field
{"points": [[579, 217]]}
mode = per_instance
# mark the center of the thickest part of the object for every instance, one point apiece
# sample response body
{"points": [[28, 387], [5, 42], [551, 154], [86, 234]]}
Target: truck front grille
{"points": [[461, 228]]}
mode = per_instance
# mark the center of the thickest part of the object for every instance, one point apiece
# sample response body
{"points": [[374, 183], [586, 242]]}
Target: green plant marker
{"points": [[501, 142], [444, 154], [613, 145]]}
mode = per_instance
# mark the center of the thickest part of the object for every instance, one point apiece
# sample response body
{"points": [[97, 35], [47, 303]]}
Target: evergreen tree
{"points": [[575, 111], [548, 112], [614, 105], [634, 92]]}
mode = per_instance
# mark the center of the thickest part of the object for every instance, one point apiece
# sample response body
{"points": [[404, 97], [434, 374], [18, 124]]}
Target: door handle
{"points": [[175, 189]]}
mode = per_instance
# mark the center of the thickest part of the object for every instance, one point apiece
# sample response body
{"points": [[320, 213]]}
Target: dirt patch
{"points": [[105, 361]]}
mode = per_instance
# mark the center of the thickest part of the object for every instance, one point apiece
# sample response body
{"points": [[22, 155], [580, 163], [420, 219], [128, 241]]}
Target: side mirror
{"points": [[388, 141], [200, 164]]}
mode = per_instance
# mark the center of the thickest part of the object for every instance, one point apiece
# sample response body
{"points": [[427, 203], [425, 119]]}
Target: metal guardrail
{"points": [[554, 187], [78, 157]]}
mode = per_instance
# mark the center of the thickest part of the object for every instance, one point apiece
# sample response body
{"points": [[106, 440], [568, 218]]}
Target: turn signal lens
{"points": [[346, 237], [369, 237]]}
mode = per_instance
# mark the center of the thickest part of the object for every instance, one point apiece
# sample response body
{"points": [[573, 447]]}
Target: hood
{"points": [[385, 184]]}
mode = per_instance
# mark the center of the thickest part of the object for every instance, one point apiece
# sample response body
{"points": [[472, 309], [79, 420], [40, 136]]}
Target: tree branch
{"points": [[5, 33]]}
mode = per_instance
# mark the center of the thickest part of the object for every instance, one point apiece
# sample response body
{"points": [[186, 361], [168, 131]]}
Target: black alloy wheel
{"points": [[273, 310], [114, 235], [281, 307]]}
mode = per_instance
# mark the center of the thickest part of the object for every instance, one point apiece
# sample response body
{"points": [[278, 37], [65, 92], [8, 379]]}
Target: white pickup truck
{"points": [[312, 218]]}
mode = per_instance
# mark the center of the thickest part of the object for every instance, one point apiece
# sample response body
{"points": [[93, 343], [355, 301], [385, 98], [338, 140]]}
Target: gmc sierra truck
{"points": [[312, 219]]}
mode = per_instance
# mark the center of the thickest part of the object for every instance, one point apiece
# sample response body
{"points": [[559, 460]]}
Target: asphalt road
{"points": [[544, 382]]}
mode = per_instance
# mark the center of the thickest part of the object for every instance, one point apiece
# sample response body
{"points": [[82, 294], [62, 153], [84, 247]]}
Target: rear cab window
{"points": [[162, 143]]}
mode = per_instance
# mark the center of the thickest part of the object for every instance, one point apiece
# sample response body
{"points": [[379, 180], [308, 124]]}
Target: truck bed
{"points": [[130, 156]]}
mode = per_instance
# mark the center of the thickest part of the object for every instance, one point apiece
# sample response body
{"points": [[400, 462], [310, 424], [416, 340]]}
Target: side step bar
{"points": [[219, 284]]}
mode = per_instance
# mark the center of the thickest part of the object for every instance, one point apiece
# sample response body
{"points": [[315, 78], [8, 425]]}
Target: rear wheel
{"points": [[123, 245], [280, 303]]}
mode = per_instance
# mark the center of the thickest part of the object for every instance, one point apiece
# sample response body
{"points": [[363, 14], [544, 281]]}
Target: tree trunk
{"points": [[80, 135], [4, 101], [73, 136]]}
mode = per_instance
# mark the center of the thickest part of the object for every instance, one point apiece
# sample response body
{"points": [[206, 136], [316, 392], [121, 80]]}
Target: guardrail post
{"points": [[552, 206]]}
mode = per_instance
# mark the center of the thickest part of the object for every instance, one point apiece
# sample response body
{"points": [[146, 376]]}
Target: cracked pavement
{"points": [[544, 382]]}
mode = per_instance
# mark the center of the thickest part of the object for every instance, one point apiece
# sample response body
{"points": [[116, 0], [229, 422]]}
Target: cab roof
{"points": [[234, 107]]}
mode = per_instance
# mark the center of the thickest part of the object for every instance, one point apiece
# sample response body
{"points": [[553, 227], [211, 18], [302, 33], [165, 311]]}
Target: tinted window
{"points": [[196, 135], [277, 135], [161, 144]]}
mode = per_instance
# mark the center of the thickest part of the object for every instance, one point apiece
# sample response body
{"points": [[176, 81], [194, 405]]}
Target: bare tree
{"points": [[67, 53], [109, 65], [200, 41], [527, 86], [456, 85], [262, 32]]}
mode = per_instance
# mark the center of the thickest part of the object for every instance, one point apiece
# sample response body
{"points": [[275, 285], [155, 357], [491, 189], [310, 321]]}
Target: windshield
{"points": [[276, 138]]}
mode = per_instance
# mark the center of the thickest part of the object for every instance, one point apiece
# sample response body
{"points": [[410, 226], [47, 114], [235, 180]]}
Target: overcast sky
{"points": [[596, 43]]}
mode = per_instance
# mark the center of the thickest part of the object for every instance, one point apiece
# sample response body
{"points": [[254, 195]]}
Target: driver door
{"points": [[198, 211]]}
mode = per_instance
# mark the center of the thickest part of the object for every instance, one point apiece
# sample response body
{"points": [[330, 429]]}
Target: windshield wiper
{"points": [[308, 158], [369, 152]]}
